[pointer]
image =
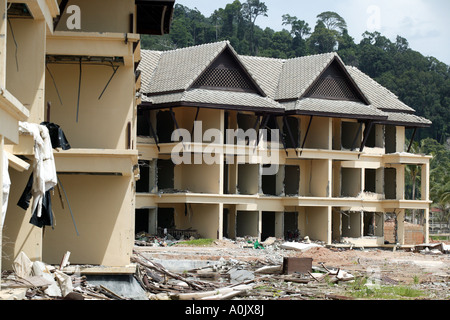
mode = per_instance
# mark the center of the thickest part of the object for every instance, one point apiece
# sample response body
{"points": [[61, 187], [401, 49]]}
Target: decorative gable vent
{"points": [[225, 73], [334, 83]]}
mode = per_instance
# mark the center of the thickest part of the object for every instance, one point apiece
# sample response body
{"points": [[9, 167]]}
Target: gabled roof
{"points": [[282, 85], [298, 74], [178, 69]]}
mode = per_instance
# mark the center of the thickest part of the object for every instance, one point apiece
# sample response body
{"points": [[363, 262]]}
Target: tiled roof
{"points": [[298, 74], [407, 119], [348, 109], [177, 69], [167, 78], [266, 71], [379, 96], [148, 64], [215, 97]]}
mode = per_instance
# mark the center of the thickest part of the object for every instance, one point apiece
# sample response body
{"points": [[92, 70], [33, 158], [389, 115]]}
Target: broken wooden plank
{"points": [[300, 265]]}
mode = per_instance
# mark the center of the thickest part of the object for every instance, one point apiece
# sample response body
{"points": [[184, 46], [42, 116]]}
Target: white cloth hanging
{"points": [[44, 176], [6, 184]]}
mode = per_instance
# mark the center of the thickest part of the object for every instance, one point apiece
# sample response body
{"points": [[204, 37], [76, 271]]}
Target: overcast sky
{"points": [[424, 23]]}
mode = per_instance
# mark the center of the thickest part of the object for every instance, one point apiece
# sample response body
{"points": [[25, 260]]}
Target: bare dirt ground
{"points": [[429, 273]]}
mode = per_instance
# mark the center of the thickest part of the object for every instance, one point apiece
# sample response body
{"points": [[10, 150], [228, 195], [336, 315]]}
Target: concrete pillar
{"points": [[426, 225], [3, 32], [329, 225], [400, 182], [401, 227], [425, 182]]}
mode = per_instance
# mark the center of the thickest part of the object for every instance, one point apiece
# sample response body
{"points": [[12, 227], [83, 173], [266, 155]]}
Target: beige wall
{"points": [[25, 75], [101, 123], [205, 218], [104, 216], [19, 234], [101, 15]]}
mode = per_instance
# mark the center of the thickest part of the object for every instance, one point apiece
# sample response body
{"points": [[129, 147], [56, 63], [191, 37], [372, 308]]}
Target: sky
{"points": [[424, 23]]}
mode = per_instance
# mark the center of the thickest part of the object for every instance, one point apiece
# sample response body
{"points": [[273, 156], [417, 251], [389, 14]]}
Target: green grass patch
{"points": [[196, 242]]}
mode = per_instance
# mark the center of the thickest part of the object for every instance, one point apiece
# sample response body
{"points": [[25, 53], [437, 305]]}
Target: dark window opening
{"points": [[165, 126], [291, 180], [293, 129], [390, 139], [390, 183], [143, 123], [141, 221], [143, 184], [165, 174], [370, 178], [268, 225]]}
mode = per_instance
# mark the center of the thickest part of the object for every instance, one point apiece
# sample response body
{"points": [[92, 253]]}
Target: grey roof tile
{"points": [[379, 96], [216, 97], [167, 77], [349, 109], [299, 73], [400, 118], [265, 71], [177, 69]]}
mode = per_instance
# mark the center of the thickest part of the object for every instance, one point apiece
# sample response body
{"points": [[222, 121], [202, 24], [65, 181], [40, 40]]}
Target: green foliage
{"points": [[423, 83]]}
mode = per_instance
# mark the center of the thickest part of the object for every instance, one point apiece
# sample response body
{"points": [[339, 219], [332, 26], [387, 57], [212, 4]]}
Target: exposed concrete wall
{"points": [[351, 184], [247, 223], [314, 178], [205, 218], [198, 178], [317, 221], [352, 224], [248, 177]]}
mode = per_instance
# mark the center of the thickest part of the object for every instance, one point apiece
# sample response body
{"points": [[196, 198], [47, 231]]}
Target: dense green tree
{"points": [[251, 10]]}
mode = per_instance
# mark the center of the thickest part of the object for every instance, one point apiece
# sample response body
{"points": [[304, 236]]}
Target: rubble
{"points": [[243, 269]]}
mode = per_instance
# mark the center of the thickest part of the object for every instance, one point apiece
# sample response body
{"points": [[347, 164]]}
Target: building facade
{"points": [[234, 146], [71, 67]]}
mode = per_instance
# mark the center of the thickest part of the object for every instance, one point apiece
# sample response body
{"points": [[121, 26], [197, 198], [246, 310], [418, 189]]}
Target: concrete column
{"points": [[425, 182], [401, 227], [329, 225], [3, 32], [426, 225], [400, 139], [400, 182]]}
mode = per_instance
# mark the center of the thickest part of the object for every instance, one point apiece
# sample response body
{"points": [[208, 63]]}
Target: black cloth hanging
{"points": [[57, 136], [46, 218]]}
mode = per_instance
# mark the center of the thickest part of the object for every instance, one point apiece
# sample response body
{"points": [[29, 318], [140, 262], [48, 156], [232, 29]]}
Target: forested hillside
{"points": [[421, 82]]}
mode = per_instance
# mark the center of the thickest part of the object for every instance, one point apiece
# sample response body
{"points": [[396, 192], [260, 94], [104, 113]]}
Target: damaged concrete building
{"points": [[340, 155], [68, 70]]}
